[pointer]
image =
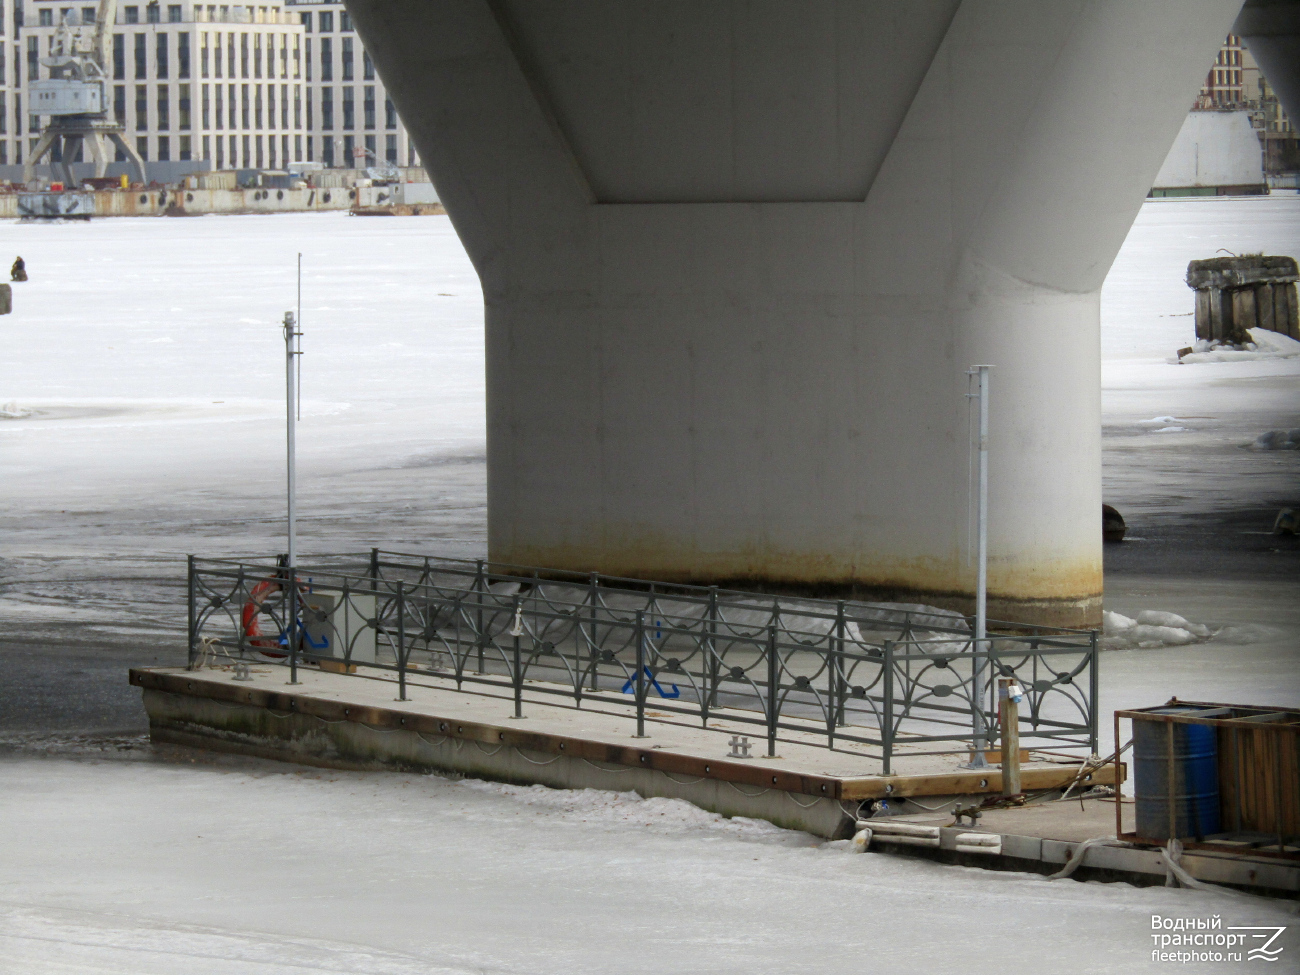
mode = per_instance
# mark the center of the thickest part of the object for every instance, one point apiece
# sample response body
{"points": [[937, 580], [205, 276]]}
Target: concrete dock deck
{"points": [[355, 721]]}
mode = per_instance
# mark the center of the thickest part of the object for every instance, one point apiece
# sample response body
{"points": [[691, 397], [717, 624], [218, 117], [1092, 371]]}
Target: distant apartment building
{"points": [[351, 121], [236, 86], [1232, 79], [1236, 82], [11, 101]]}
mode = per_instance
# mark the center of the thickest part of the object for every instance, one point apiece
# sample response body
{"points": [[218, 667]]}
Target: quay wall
{"points": [[310, 739], [199, 202]]}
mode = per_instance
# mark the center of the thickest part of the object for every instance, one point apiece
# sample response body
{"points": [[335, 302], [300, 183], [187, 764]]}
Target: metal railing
{"points": [[875, 675]]}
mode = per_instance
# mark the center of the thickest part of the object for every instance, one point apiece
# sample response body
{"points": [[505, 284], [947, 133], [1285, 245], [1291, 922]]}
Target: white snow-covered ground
{"points": [[149, 357]]}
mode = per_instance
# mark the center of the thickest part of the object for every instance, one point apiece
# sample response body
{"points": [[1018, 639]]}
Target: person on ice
{"points": [[19, 271]]}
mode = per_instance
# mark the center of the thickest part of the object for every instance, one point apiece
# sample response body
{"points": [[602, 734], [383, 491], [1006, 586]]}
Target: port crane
{"points": [[75, 98]]}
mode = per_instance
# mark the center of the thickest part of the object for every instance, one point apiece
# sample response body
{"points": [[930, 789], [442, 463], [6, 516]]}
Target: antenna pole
{"points": [[291, 353]]}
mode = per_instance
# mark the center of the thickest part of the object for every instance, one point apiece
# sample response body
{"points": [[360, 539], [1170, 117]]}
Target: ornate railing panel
{"points": [[846, 672]]}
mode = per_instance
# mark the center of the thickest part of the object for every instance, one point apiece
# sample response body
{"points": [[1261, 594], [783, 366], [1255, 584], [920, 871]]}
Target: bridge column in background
{"points": [[736, 258]]}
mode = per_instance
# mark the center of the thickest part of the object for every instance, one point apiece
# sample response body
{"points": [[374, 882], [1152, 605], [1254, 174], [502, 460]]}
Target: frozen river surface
{"points": [[143, 369], [144, 868]]}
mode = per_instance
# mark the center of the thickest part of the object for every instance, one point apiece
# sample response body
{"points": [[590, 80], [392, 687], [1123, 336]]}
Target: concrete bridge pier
{"points": [[737, 256]]}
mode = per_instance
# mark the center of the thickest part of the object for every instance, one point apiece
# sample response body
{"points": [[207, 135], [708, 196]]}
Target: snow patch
{"points": [[1263, 344], [12, 411], [1165, 424], [1151, 629], [627, 809]]}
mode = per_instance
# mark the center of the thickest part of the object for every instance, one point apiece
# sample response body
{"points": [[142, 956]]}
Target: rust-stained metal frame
{"points": [[856, 673]]}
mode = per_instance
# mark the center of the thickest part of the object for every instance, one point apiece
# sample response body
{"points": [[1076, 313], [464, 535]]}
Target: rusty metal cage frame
{"points": [[1279, 720]]}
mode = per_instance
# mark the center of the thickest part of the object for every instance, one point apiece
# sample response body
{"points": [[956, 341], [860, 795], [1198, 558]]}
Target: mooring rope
{"points": [[531, 762], [603, 769], [803, 805]]}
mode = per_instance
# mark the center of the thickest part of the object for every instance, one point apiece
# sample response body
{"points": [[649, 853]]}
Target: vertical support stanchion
{"points": [[1119, 786], [1094, 693], [401, 641], [479, 585], [291, 623], [1276, 734], [193, 611], [836, 677], [639, 686], [374, 567], [773, 689], [594, 652], [711, 698], [517, 634], [1236, 764], [1009, 717], [1169, 783], [241, 585], [887, 711]]}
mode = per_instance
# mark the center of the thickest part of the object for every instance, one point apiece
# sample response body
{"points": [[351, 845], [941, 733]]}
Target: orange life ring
{"points": [[270, 646]]}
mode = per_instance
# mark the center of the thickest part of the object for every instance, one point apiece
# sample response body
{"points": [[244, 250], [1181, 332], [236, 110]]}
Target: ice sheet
{"points": [[196, 869], [149, 353]]}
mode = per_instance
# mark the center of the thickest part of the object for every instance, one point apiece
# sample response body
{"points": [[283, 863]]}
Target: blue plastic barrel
{"points": [[1195, 777]]}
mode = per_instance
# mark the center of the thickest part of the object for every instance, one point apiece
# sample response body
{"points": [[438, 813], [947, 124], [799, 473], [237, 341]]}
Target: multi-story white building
{"points": [[351, 121], [238, 86], [8, 50]]}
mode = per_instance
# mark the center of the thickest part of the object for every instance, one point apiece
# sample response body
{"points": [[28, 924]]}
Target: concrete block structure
{"points": [[1234, 294], [735, 272], [1217, 153]]}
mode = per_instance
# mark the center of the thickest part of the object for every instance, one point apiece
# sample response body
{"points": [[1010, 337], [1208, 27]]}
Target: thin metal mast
{"points": [[291, 354], [979, 726]]}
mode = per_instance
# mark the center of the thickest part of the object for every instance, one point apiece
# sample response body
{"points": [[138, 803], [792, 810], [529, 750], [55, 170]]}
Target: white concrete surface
{"points": [[733, 279], [1213, 149]]}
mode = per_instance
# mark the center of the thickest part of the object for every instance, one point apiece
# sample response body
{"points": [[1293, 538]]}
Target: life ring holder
{"points": [[250, 617]]}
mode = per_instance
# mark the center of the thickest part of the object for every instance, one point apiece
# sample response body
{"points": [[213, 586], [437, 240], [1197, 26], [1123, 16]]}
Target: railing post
{"points": [[979, 723], [887, 710], [517, 633], [711, 698], [594, 653], [773, 687], [291, 623], [479, 586], [1094, 684], [193, 611], [835, 674], [639, 686], [241, 586], [374, 568], [401, 641]]}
